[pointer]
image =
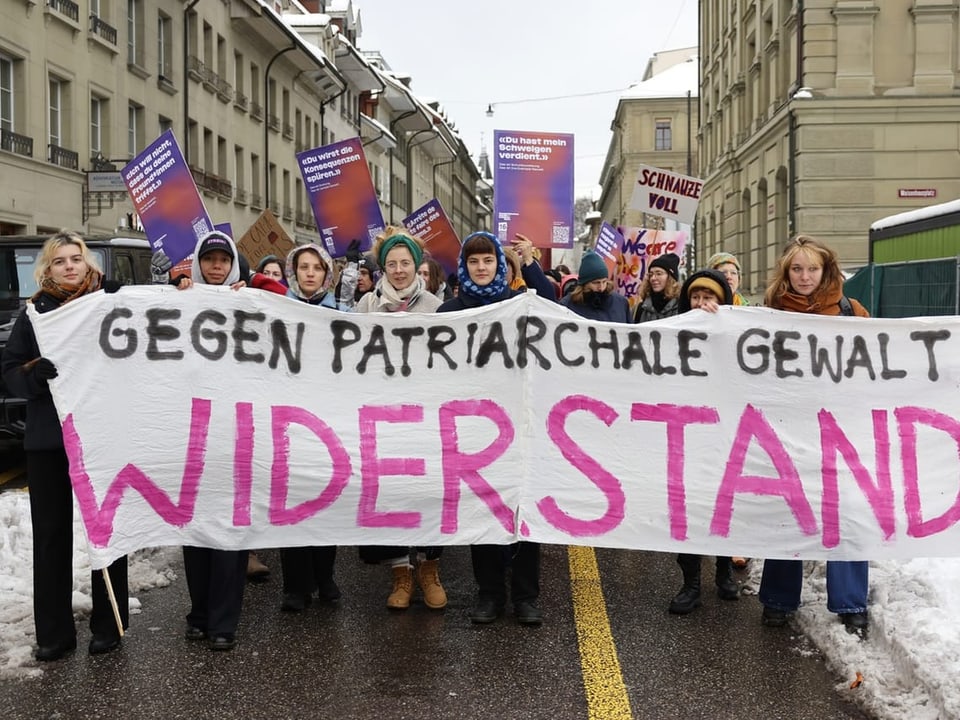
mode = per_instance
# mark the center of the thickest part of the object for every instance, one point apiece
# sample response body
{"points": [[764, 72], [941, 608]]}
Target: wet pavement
{"points": [[357, 659]]}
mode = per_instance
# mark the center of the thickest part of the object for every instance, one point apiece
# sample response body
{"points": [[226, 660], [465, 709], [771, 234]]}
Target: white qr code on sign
{"points": [[561, 234], [200, 228]]}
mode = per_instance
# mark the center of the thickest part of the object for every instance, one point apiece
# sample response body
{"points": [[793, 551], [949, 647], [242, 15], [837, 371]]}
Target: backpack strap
{"points": [[845, 307]]}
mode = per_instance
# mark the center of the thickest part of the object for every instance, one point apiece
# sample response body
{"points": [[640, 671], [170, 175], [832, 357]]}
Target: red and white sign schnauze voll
{"points": [[239, 419], [666, 194]]}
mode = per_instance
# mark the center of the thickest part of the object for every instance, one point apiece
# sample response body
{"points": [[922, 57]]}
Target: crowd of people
{"points": [[396, 276]]}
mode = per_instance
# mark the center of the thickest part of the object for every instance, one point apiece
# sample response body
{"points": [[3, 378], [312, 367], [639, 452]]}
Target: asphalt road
{"points": [[359, 660]]}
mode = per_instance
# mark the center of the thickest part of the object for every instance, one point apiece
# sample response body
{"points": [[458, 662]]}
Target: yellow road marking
{"points": [[13, 474], [602, 679]]}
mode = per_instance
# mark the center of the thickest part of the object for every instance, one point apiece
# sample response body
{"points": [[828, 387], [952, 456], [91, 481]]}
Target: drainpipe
{"points": [[266, 122], [186, 80], [792, 133], [393, 125], [435, 166]]}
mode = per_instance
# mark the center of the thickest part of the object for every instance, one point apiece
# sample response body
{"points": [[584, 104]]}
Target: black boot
{"points": [[688, 599], [727, 588]]}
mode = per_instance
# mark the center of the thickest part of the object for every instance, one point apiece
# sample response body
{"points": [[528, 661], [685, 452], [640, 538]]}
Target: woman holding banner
{"points": [[402, 288], [482, 271], [808, 280], [307, 569], [660, 289], [65, 271], [215, 578]]}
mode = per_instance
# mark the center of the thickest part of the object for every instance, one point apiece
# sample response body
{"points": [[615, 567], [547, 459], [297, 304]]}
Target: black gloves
{"points": [[160, 267], [353, 251], [43, 369]]}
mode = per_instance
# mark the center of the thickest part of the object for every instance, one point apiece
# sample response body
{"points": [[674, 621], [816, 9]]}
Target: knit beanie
{"points": [[707, 283], [668, 262], [592, 267], [722, 258]]}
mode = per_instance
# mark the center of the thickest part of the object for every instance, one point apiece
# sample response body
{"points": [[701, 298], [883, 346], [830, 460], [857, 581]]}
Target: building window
{"points": [[56, 115], [134, 130], [664, 136], [96, 125], [165, 47], [135, 32], [165, 124], [6, 93]]}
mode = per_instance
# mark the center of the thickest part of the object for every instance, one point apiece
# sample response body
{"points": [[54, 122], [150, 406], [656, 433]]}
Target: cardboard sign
{"points": [[265, 237]]}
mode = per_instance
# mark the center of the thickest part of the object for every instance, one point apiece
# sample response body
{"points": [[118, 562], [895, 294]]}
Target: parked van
{"points": [[123, 258]]}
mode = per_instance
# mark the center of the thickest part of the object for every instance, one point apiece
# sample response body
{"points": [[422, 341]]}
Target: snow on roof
{"points": [[917, 214], [673, 82]]}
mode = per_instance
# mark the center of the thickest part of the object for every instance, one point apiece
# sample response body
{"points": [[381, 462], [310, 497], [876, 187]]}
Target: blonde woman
{"points": [[660, 290], [65, 271]]}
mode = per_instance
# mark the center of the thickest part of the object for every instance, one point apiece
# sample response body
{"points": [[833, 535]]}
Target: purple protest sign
{"points": [[609, 242], [533, 187], [431, 225], [166, 198], [345, 204]]}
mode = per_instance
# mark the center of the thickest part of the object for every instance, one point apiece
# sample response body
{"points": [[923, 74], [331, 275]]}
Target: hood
{"points": [[291, 274], [234, 274]]}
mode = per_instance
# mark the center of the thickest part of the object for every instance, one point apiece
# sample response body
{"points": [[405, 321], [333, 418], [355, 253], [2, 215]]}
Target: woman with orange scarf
{"points": [[65, 271], [808, 280]]}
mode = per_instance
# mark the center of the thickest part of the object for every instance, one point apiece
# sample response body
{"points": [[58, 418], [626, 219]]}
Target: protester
{"points": [[659, 290], [65, 270], [593, 297], [272, 267], [309, 270], [482, 270], [215, 578], [730, 267], [808, 279], [432, 273], [403, 289], [704, 290]]}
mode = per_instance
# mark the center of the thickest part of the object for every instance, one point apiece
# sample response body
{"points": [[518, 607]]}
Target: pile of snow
{"points": [[147, 569]]}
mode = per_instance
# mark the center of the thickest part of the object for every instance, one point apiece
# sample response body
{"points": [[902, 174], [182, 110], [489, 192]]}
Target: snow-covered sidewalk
{"points": [[910, 662]]}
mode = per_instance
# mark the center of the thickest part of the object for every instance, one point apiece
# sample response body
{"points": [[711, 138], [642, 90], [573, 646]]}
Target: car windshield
{"points": [[21, 284]]}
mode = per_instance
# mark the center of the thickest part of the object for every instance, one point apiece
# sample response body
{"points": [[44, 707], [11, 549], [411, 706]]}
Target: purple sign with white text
{"points": [[166, 198], [344, 201]]}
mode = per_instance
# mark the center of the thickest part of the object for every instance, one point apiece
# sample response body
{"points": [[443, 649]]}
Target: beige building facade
{"points": [[820, 117], [654, 124], [244, 84]]}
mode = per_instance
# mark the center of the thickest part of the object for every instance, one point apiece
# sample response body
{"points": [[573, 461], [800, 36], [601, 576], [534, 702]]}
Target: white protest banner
{"points": [[667, 194], [245, 419]]}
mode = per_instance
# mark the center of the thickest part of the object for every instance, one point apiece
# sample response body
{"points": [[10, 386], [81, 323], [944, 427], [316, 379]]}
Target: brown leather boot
{"points": [[428, 577], [256, 571], [399, 599]]}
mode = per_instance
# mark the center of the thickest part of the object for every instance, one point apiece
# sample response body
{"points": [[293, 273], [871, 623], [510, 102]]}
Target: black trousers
{"points": [[51, 512], [216, 580], [304, 568], [490, 571]]}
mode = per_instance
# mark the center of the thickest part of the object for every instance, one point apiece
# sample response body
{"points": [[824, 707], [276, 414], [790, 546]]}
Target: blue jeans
{"points": [[846, 585]]}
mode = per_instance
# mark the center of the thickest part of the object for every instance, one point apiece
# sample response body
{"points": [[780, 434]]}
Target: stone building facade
{"points": [[821, 116]]}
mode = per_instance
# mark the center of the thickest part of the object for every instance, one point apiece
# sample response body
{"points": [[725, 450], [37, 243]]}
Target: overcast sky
{"points": [[468, 55]]}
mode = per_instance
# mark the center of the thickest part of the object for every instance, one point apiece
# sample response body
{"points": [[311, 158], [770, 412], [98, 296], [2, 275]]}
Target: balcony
{"points": [[305, 219], [240, 101], [16, 143], [224, 89], [274, 207], [256, 111], [256, 201], [67, 8], [195, 68], [273, 122], [287, 212], [101, 30], [288, 131], [240, 196], [63, 157]]}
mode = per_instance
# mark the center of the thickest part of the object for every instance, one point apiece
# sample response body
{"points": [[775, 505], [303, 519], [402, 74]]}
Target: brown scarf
{"points": [[65, 293]]}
